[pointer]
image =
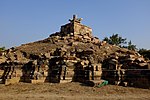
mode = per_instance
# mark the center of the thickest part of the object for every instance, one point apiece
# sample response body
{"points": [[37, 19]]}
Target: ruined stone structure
{"points": [[73, 54], [75, 27], [128, 70]]}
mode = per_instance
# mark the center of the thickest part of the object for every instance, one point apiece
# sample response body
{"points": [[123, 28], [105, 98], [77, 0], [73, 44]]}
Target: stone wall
{"points": [[67, 29], [75, 28], [82, 29]]}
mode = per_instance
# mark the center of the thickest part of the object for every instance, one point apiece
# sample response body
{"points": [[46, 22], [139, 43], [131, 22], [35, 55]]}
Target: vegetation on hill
{"points": [[115, 39], [145, 53], [2, 48]]}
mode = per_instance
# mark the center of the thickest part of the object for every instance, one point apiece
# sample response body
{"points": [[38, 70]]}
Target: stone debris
{"points": [[73, 54], [128, 70]]}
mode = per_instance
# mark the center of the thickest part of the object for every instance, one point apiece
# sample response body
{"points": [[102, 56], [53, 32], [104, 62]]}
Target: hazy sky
{"points": [[24, 21]]}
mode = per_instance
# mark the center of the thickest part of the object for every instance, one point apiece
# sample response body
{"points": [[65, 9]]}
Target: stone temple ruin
{"points": [[57, 66], [73, 55]]}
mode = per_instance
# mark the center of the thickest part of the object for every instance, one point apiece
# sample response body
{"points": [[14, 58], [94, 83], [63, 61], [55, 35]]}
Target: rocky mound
{"points": [[72, 38], [75, 54]]}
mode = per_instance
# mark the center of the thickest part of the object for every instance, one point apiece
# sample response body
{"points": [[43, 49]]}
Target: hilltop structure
{"points": [[74, 54], [75, 27]]}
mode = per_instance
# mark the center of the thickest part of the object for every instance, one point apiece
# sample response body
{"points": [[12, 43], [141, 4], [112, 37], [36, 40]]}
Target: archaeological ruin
{"points": [[74, 55]]}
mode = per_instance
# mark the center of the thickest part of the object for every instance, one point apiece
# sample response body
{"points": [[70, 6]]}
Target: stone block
{"points": [[12, 81]]}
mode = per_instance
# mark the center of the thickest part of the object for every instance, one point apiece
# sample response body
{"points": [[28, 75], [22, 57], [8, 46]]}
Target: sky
{"points": [[24, 21]]}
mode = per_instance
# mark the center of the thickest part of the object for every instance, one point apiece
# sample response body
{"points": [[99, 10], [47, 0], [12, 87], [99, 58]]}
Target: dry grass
{"points": [[70, 91]]}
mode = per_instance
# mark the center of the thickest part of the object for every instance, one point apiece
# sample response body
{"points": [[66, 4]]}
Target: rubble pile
{"points": [[78, 66], [130, 70], [73, 54], [73, 45]]}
